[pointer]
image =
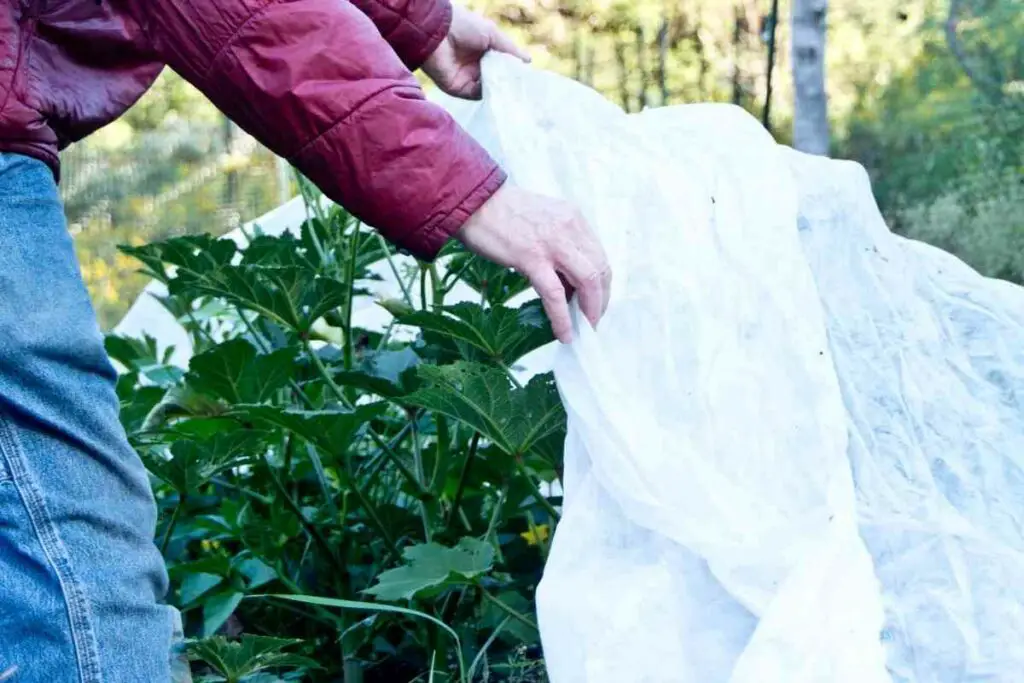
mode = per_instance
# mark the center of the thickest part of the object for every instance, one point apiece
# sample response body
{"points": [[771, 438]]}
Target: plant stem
{"points": [[492, 525], [371, 511], [306, 524], [442, 451], [373, 464], [463, 477], [350, 280], [486, 646], [264, 346], [340, 395], [437, 291], [423, 287], [200, 330], [417, 450], [507, 609], [266, 500], [541, 498], [406, 294], [456, 276], [172, 523], [321, 477]]}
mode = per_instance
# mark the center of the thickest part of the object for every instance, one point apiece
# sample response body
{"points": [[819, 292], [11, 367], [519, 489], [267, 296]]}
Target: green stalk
{"points": [[437, 290], [508, 609], [423, 287], [172, 523], [350, 279], [266, 500], [544, 502], [406, 294], [417, 451], [486, 646], [463, 478], [441, 455], [371, 511], [321, 478], [492, 525], [376, 438], [306, 524]]}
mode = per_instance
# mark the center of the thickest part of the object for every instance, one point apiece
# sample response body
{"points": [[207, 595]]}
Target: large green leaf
{"points": [[282, 287], [194, 586], [498, 333], [431, 565], [515, 419], [193, 462], [289, 295], [197, 253], [236, 372], [237, 660], [256, 571], [218, 608], [388, 374], [332, 431]]}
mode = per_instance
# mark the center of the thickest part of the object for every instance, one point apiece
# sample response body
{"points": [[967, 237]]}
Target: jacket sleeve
{"points": [[315, 82], [414, 28]]}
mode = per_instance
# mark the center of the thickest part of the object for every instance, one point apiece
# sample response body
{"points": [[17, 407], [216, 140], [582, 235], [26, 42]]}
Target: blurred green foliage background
{"points": [[927, 94]]}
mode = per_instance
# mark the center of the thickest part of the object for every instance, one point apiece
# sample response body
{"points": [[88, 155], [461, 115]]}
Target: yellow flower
{"points": [[537, 535]]}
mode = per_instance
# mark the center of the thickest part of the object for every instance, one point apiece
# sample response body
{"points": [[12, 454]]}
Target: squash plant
{"points": [[337, 504]]}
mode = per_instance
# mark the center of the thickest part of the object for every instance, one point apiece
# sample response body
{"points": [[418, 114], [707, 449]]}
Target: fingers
{"points": [[576, 264], [501, 42], [588, 274], [552, 295], [550, 243]]}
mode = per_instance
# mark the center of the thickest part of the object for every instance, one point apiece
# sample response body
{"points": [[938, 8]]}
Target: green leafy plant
{"points": [[337, 503]]}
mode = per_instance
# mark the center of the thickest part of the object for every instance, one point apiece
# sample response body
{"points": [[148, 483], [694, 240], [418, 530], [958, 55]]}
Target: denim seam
{"points": [[82, 634]]}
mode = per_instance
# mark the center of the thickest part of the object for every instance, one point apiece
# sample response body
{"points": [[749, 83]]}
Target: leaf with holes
{"points": [[499, 333], [513, 418]]}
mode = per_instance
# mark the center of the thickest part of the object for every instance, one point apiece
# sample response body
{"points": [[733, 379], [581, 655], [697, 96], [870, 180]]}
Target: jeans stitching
{"points": [[83, 637]]}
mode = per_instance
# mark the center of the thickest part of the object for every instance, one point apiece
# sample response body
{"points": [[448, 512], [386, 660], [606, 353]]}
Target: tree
{"points": [[810, 102]]}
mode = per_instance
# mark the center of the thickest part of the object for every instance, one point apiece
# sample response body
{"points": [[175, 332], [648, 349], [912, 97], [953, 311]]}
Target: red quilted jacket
{"points": [[324, 83]]}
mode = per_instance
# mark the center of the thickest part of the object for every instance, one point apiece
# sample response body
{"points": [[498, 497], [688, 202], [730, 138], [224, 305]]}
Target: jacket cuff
{"points": [[436, 29], [426, 243]]}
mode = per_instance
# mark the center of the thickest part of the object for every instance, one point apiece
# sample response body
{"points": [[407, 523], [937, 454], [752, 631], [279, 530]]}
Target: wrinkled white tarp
{"points": [[796, 441]]}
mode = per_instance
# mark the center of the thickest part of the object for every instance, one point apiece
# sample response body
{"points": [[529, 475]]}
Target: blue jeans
{"points": [[81, 581]]}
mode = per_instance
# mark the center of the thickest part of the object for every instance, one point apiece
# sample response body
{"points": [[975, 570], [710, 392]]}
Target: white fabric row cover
{"points": [[796, 440]]}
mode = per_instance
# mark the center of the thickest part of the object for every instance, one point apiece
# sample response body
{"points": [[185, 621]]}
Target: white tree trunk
{"points": [[810, 108]]}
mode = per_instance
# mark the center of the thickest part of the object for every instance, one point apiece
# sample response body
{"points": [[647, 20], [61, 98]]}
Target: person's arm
{"points": [[315, 82], [413, 28]]}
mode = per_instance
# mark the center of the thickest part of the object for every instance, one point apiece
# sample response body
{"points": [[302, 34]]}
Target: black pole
{"points": [[774, 19]]}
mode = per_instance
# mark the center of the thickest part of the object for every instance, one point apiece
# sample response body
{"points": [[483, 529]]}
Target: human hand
{"points": [[549, 242], [455, 64]]}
